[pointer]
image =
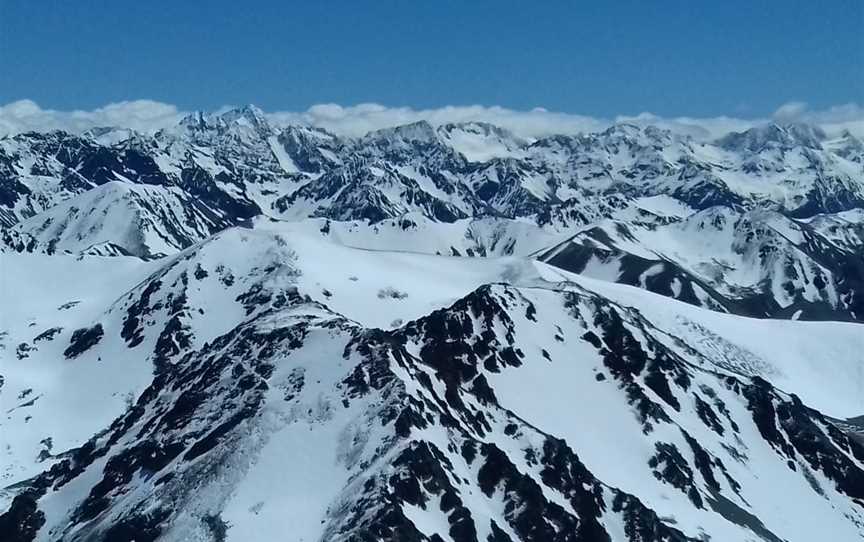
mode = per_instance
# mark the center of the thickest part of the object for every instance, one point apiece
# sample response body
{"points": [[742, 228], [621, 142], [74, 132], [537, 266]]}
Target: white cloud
{"points": [[360, 119], [833, 120], [790, 111], [141, 115], [149, 116], [701, 129]]}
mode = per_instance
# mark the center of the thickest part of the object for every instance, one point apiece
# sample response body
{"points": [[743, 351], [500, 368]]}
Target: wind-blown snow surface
{"points": [[271, 382], [234, 331], [44, 395], [822, 362]]}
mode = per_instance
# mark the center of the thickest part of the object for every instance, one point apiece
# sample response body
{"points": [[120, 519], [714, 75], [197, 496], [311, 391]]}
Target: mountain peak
{"points": [[631, 131], [477, 127], [421, 131], [108, 135], [623, 128], [195, 119], [481, 141], [248, 116], [774, 135]]}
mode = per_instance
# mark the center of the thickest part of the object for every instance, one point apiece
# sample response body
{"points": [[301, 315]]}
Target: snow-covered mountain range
{"points": [[229, 330]]}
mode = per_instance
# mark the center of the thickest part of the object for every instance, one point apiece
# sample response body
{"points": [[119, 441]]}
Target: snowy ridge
{"points": [[233, 331], [238, 163], [128, 219], [258, 344], [758, 263]]}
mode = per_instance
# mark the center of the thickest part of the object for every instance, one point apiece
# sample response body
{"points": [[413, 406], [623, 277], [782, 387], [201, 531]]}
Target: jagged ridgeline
{"points": [[232, 330], [765, 222]]}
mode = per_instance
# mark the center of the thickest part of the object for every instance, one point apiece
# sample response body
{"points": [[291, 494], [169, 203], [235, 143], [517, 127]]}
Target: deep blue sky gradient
{"points": [[695, 58]]}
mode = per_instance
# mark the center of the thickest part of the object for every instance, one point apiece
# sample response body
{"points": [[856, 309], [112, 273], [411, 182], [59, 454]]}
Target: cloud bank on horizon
{"points": [[149, 116]]}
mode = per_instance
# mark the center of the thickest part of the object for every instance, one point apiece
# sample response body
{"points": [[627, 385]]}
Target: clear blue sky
{"points": [[698, 58]]}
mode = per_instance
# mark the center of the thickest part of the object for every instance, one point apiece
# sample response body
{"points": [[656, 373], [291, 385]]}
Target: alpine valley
{"points": [[233, 330]]}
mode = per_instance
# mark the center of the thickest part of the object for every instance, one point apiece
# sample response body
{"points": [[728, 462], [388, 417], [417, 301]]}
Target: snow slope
{"points": [[822, 362], [262, 386], [757, 263], [232, 330], [139, 220], [51, 402]]}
